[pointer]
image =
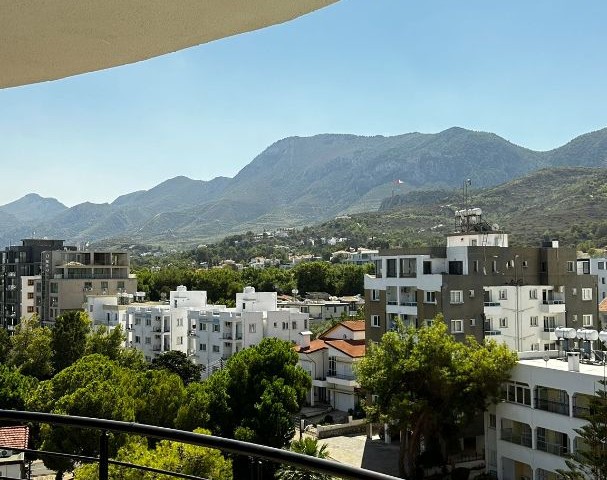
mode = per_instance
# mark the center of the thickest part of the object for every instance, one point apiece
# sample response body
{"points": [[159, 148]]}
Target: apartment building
{"points": [[483, 287], [19, 267], [69, 276], [330, 361], [529, 435], [595, 266]]}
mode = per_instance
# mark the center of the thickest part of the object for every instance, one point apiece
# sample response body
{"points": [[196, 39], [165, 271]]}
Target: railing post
{"points": [[103, 455]]}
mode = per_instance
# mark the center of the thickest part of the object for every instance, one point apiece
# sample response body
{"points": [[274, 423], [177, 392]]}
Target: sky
{"points": [[531, 72]]}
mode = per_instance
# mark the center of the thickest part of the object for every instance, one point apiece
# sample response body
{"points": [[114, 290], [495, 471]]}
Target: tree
{"points": [[312, 276], [5, 345], [194, 410], [304, 446], [94, 386], [158, 395], [179, 363], [590, 460], [14, 388], [192, 460], [31, 349], [69, 338], [104, 341], [431, 386]]}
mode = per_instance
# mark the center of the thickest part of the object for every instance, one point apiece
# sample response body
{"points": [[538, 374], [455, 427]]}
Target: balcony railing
{"points": [[553, 302], [254, 452], [581, 411], [492, 304], [554, 448], [406, 303], [491, 333], [341, 376], [519, 438], [552, 406]]}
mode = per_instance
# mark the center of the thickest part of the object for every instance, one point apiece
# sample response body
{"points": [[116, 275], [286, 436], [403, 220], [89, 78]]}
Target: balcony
{"points": [[492, 308], [227, 336], [552, 306], [254, 453], [492, 333], [345, 379], [554, 406], [519, 438], [553, 448]]}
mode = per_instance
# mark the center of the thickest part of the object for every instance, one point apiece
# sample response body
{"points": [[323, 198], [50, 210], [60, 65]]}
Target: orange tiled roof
{"points": [[315, 345], [603, 305], [354, 325], [352, 348], [13, 437]]}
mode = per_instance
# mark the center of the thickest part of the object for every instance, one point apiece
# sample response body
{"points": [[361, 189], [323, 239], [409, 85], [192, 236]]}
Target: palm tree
{"points": [[305, 446]]}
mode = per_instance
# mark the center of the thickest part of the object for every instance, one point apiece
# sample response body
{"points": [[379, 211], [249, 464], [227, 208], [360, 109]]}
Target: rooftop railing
{"points": [[256, 453]]}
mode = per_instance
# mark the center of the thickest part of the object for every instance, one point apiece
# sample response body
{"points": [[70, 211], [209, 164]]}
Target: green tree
{"points": [[14, 388], [93, 386], [194, 410], [179, 363], [104, 341], [431, 386], [304, 446], [192, 460], [158, 395], [5, 345], [31, 350], [312, 277], [69, 338], [590, 459]]}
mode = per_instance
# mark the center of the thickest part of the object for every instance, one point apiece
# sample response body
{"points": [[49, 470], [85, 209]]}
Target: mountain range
{"points": [[296, 181]]}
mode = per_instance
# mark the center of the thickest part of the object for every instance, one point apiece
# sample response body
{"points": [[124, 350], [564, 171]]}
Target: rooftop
{"points": [[14, 437]]}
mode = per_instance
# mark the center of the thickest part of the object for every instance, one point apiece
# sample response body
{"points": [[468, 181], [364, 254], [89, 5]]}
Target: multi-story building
{"points": [[529, 435], [483, 287], [330, 360], [69, 276], [19, 264], [595, 266]]}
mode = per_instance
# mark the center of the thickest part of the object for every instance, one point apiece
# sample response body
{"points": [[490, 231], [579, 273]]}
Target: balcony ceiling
{"points": [[44, 40]]}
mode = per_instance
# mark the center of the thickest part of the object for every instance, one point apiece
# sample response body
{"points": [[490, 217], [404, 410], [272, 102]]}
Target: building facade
{"points": [[483, 287]]}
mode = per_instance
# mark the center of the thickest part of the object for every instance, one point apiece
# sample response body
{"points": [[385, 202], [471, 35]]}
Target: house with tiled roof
{"points": [[330, 361], [12, 459]]}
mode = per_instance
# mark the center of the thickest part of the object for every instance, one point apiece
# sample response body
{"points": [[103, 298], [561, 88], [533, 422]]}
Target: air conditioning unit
{"points": [[5, 453]]}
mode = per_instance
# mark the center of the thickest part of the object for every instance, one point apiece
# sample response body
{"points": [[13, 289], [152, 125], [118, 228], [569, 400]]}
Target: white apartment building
{"points": [[330, 360], [528, 435]]}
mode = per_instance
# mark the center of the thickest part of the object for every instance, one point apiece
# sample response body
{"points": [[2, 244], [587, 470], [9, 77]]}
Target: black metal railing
{"points": [[227, 445], [554, 406]]}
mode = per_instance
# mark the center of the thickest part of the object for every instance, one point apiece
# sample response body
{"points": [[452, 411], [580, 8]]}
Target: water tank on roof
{"points": [[565, 332], [587, 334]]}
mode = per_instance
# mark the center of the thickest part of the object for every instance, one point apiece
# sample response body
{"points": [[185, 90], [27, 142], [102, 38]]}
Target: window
{"points": [[587, 320], [30, 295], [285, 325], [179, 340], [517, 392], [148, 321], [549, 346], [503, 294], [456, 267], [473, 242], [549, 324], [586, 293], [137, 339], [535, 347], [492, 420], [252, 328], [244, 306], [202, 347], [471, 293], [30, 309], [148, 340], [457, 326], [601, 265], [494, 266], [533, 321], [202, 327], [216, 327], [525, 264], [475, 266], [294, 325], [375, 295], [180, 322], [603, 280], [503, 322], [378, 270], [408, 267], [428, 322], [215, 348], [375, 320], [473, 322], [570, 266], [104, 285], [427, 268], [30, 282], [55, 287], [120, 285], [391, 268], [574, 291], [332, 366], [137, 321], [430, 297], [456, 296], [574, 317], [533, 294]]}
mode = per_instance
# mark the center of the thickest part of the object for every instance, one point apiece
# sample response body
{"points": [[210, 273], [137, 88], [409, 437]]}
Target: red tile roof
{"points": [[354, 325], [352, 348], [13, 437], [603, 305], [315, 345]]}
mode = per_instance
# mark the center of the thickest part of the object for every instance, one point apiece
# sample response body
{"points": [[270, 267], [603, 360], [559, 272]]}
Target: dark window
{"points": [[427, 268], [456, 268], [391, 268]]}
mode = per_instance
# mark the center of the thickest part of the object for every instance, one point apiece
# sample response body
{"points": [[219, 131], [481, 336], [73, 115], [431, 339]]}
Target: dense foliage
{"points": [[431, 386]]}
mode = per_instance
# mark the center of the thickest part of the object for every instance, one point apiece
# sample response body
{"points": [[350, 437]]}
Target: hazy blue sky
{"points": [[533, 72]]}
